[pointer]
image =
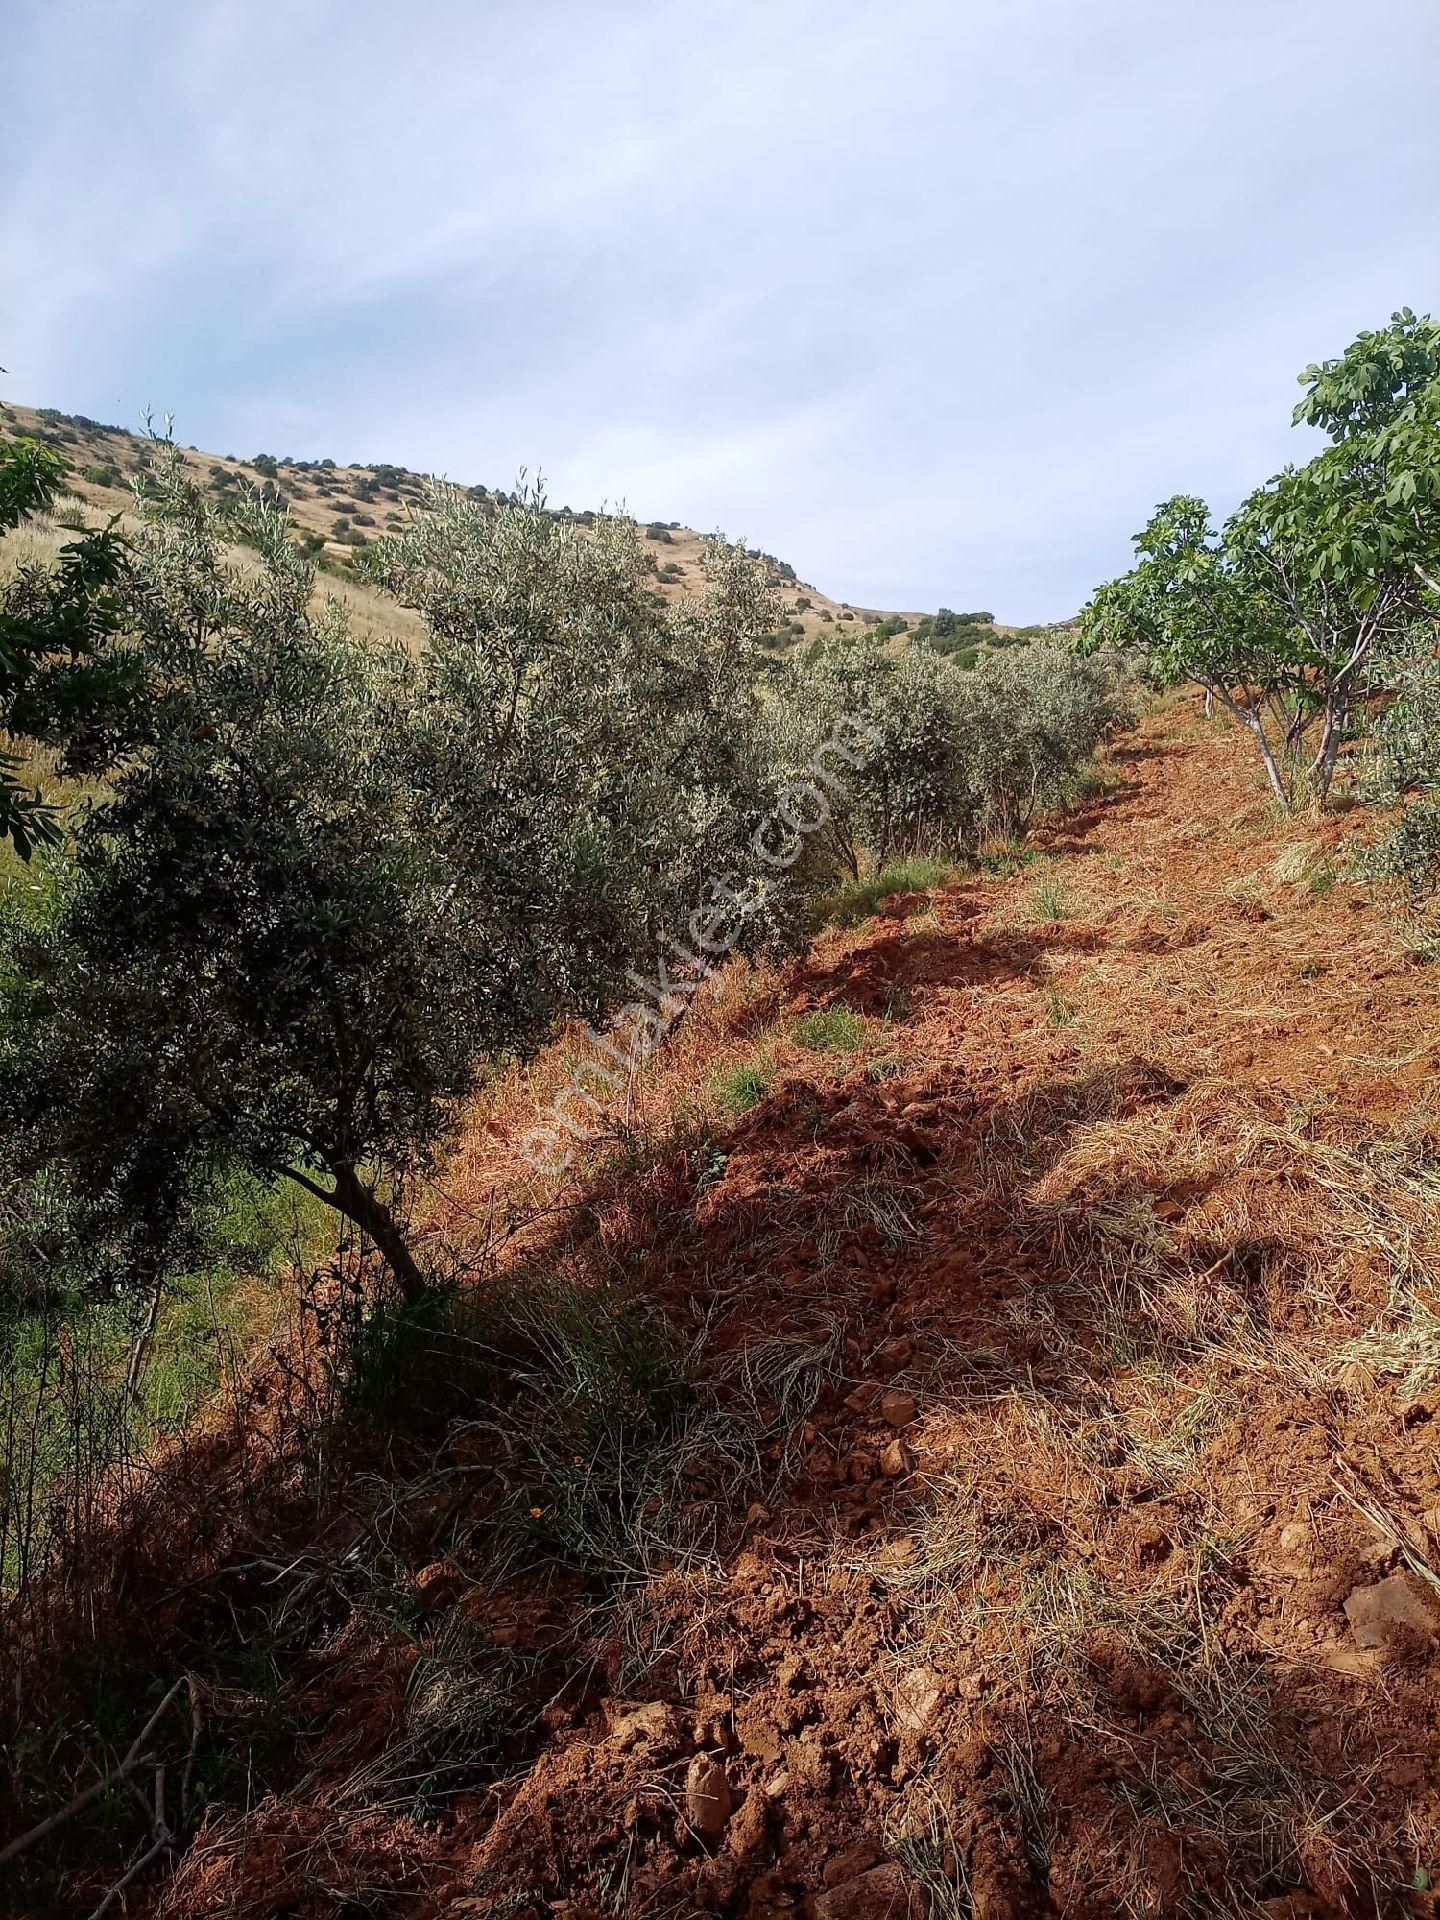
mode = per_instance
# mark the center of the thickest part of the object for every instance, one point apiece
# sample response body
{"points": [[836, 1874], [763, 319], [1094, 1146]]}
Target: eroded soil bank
{"points": [[1048, 1517]]}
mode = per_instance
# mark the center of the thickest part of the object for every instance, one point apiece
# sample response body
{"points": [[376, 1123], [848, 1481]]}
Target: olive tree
{"points": [[60, 677], [1028, 721], [1406, 768], [943, 757], [332, 878], [898, 791], [596, 756], [248, 962]]}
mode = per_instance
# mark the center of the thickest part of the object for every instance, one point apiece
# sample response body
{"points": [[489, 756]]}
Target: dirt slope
{"points": [[1061, 1531]]}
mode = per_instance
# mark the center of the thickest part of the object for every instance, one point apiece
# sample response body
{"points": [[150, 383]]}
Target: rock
{"points": [[897, 1407], [899, 1552], [1345, 1659], [438, 1585], [654, 1726], [1298, 1905], [1397, 1614], [893, 1355], [1296, 1547], [895, 1459], [918, 1697], [746, 1832], [708, 1799], [884, 1893], [758, 1735], [850, 1864]]}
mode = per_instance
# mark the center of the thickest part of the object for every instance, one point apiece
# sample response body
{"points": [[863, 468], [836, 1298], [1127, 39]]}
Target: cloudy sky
{"points": [[930, 297]]}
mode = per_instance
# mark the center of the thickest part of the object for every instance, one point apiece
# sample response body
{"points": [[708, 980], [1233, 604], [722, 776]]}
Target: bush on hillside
{"points": [[1031, 720], [63, 680], [888, 784]]}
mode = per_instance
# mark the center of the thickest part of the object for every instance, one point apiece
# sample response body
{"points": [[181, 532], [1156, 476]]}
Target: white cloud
{"points": [[934, 298]]}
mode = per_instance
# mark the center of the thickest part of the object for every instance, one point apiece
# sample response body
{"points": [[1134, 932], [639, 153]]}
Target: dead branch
{"points": [[136, 1757]]}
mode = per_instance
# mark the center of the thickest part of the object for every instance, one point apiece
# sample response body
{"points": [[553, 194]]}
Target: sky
{"points": [[932, 299]]}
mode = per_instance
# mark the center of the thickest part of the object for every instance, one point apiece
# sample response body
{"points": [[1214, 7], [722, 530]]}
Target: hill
{"points": [[963, 1441], [341, 508]]}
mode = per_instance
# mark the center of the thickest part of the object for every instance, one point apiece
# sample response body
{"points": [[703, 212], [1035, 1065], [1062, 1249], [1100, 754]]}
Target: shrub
{"points": [[266, 465], [937, 758], [889, 787], [1030, 721], [103, 476], [332, 879], [62, 679]]}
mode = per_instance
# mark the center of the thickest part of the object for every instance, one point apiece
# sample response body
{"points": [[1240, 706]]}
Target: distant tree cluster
{"points": [[950, 758]]}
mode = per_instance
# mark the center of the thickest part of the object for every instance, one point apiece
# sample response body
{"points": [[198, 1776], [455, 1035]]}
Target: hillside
{"points": [[344, 507], [964, 1443]]}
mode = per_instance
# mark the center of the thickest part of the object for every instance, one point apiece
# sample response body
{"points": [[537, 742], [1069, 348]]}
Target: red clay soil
{"points": [[1086, 1558]]}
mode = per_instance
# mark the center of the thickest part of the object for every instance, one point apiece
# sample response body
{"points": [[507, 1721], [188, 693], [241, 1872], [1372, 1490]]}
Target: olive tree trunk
{"points": [[362, 1206]]}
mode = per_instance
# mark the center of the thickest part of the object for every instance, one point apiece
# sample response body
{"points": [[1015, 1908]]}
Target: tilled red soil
{"points": [[1084, 1557]]}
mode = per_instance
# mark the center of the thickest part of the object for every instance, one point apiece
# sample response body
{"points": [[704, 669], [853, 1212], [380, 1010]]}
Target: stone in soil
{"points": [[1396, 1614], [708, 1799], [884, 1893]]}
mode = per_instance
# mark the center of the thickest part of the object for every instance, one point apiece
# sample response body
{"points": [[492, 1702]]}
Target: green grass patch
{"points": [[1006, 858], [66, 1353], [831, 1030], [864, 898], [738, 1089], [593, 1390], [1049, 902]]}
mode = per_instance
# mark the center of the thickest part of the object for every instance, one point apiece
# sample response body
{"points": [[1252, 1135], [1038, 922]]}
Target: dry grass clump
{"points": [[1124, 1723], [1210, 1175]]}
